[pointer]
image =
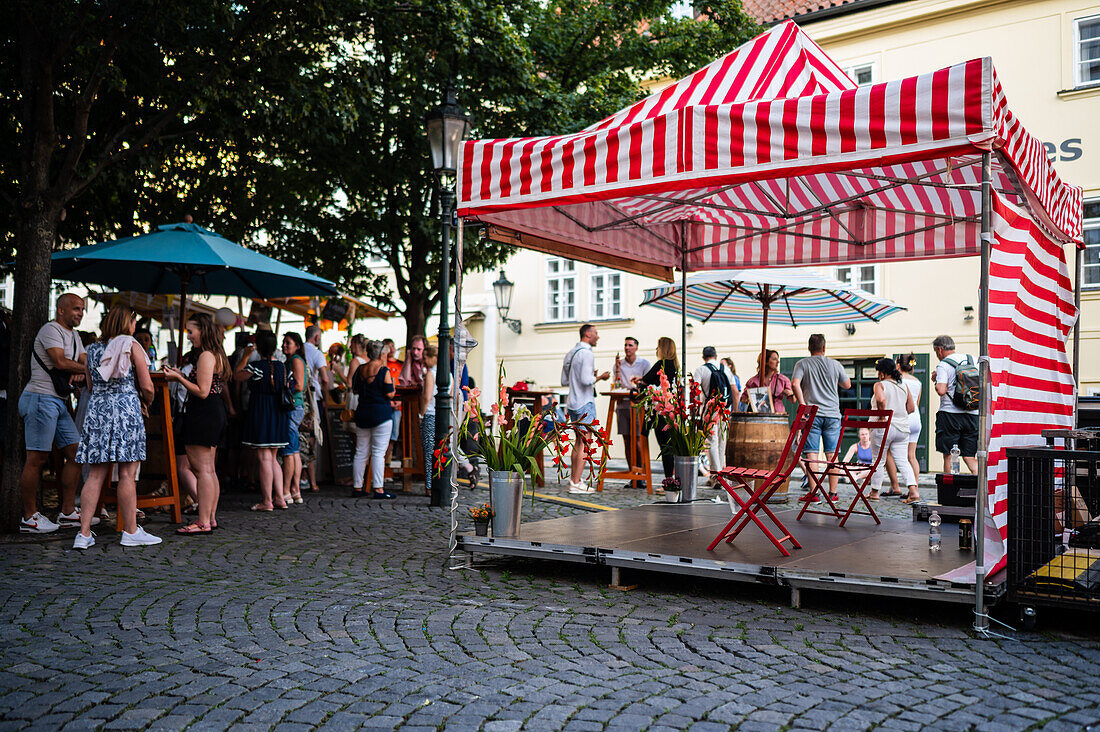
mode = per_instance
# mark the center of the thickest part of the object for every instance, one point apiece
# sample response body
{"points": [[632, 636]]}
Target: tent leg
{"points": [[183, 318], [683, 313], [1077, 269], [981, 620]]}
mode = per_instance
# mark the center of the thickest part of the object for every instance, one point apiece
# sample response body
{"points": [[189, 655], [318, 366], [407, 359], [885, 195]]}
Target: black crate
{"points": [[956, 490], [1052, 495]]}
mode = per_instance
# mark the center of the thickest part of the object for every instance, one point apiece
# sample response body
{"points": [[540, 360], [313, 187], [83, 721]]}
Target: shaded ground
{"points": [[339, 614]]}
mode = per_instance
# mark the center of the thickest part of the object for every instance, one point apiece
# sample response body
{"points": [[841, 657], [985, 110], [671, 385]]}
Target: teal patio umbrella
{"points": [[186, 259]]}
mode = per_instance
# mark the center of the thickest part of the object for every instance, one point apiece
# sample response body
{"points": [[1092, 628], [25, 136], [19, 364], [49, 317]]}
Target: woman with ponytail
{"points": [[892, 396]]}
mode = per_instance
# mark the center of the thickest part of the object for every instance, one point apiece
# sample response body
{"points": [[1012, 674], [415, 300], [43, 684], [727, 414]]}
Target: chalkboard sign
{"points": [[341, 445]]}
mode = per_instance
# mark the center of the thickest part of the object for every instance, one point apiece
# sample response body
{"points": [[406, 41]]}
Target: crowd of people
{"points": [[253, 417], [257, 413], [815, 380]]}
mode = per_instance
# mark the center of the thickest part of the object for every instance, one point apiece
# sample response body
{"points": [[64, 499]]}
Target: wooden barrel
{"points": [[756, 441]]}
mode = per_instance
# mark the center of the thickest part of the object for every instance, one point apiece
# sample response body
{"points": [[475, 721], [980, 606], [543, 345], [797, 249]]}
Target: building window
{"points": [[1090, 270], [1086, 51], [861, 74], [683, 9], [863, 276], [561, 290], [6, 289], [605, 294]]}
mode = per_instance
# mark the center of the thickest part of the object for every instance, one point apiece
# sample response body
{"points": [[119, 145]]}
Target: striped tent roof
{"points": [[795, 297], [839, 174]]}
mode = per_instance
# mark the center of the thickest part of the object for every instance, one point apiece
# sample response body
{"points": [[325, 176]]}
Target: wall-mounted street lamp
{"points": [[850, 328], [502, 293]]}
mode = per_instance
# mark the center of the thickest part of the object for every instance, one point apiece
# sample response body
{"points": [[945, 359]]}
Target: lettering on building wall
{"points": [[1065, 152]]}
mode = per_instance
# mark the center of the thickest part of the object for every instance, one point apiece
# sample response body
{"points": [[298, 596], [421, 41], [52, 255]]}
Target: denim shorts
{"points": [[294, 442], [824, 429], [46, 422], [585, 415]]}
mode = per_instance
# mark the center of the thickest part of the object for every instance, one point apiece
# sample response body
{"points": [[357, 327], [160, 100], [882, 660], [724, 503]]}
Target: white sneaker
{"points": [[37, 524], [84, 542], [580, 488], [73, 519], [141, 537]]}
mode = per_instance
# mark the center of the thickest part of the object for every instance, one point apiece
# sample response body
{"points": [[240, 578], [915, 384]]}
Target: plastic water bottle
{"points": [[935, 536], [955, 458]]}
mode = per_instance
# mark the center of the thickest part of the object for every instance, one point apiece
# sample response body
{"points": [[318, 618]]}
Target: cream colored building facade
{"points": [[1040, 51]]}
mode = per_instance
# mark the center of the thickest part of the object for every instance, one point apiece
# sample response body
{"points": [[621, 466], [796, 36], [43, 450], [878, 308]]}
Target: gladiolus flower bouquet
{"points": [[690, 425]]}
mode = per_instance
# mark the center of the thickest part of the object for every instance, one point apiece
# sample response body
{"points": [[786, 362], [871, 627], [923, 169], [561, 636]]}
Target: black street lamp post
{"points": [[446, 126]]}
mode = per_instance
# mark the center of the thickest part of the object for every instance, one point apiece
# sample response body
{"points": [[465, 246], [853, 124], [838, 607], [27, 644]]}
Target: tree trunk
{"points": [[37, 232], [416, 318]]}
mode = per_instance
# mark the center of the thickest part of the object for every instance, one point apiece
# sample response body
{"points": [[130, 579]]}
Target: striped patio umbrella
{"points": [[798, 297]]}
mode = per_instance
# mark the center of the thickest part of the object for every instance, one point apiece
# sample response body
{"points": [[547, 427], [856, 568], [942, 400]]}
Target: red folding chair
{"points": [[767, 483], [857, 473]]}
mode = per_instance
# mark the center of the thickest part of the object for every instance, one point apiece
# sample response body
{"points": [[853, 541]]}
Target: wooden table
{"points": [[637, 456], [535, 401], [412, 452]]}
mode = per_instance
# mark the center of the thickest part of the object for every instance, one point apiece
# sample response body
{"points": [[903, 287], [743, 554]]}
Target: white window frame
{"points": [[851, 70], [1091, 224], [7, 290], [857, 278], [600, 295], [559, 273], [1078, 82]]}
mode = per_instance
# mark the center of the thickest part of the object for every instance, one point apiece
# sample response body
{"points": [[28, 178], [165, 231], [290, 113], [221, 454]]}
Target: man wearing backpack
{"points": [[713, 381], [958, 384], [817, 380], [578, 372]]}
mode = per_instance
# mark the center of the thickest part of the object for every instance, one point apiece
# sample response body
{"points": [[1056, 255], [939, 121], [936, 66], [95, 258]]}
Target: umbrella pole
{"points": [[183, 320], [764, 351]]}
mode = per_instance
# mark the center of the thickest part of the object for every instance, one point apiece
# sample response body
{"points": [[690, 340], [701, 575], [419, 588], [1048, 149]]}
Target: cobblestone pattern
{"points": [[338, 614]]}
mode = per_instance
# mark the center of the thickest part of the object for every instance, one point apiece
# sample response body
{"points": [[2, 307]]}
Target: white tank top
{"points": [[895, 395]]}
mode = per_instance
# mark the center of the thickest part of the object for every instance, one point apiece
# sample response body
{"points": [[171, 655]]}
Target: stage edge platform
{"points": [[887, 560]]}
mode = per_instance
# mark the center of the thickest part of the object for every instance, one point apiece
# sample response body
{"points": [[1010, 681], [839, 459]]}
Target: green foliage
{"points": [[296, 127]]}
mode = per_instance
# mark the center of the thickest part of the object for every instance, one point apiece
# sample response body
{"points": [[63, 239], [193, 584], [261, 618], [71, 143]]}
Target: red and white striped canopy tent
{"points": [[772, 156]]}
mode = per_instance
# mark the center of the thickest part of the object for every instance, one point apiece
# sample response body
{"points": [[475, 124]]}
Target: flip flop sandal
{"points": [[282, 507], [911, 500], [194, 529], [261, 507]]}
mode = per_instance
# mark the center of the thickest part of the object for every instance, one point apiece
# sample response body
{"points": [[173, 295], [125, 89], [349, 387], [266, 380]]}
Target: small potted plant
{"points": [[481, 516], [671, 487]]}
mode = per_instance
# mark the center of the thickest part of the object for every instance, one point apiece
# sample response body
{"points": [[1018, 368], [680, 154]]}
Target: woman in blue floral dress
{"points": [[113, 430]]}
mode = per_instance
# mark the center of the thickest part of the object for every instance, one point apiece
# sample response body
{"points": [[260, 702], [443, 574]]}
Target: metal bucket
{"points": [[686, 470], [506, 496]]}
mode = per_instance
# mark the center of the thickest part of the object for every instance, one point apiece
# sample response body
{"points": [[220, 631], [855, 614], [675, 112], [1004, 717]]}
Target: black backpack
{"points": [[968, 384], [719, 385]]}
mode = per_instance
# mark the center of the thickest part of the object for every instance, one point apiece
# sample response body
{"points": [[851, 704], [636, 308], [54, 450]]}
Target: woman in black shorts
{"points": [[204, 416]]}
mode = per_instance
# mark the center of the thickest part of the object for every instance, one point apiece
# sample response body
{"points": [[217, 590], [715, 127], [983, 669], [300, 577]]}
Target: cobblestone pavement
{"points": [[338, 614]]}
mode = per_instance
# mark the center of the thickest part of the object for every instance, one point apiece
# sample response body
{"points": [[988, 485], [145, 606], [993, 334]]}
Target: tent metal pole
{"points": [[981, 507], [683, 310], [1077, 268]]}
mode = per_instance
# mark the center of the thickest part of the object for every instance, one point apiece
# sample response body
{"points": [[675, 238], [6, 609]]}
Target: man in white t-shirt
{"points": [[631, 370], [319, 384], [579, 372], [954, 425], [45, 413]]}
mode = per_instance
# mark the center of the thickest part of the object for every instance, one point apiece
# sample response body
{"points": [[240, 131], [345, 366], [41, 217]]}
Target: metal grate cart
{"points": [[1053, 539]]}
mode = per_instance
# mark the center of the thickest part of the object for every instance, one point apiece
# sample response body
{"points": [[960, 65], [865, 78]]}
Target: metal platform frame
{"points": [[795, 579]]}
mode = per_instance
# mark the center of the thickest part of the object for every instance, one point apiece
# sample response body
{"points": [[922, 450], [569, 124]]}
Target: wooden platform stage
{"points": [[890, 560]]}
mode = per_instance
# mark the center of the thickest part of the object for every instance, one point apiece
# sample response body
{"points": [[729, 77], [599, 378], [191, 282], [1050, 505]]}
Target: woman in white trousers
{"points": [[891, 395]]}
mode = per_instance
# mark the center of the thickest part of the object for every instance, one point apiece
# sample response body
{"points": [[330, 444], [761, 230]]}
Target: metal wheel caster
{"points": [[1028, 617]]}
